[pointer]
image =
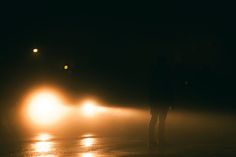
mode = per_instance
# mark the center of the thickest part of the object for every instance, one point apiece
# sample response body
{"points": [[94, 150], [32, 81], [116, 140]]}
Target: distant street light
{"points": [[35, 50], [66, 67]]}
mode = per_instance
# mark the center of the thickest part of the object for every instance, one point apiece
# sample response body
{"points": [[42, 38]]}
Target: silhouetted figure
{"points": [[161, 98]]}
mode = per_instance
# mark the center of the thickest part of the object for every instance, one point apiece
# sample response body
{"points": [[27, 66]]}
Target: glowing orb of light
{"points": [[44, 108], [66, 67], [89, 108], [35, 50]]}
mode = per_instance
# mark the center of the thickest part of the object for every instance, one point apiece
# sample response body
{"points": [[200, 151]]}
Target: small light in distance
{"points": [[66, 67], [35, 50]]}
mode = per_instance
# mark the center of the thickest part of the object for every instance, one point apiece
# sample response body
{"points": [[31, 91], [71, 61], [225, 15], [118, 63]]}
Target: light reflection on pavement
{"points": [[190, 135], [95, 146], [88, 145]]}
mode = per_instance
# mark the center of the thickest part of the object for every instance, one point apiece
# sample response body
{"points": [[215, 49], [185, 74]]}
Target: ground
{"points": [[189, 135]]}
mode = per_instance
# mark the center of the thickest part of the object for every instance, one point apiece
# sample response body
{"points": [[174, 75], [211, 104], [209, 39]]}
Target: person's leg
{"points": [[152, 128], [161, 126]]}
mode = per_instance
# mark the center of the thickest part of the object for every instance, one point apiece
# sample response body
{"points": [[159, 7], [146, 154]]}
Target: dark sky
{"points": [[109, 47]]}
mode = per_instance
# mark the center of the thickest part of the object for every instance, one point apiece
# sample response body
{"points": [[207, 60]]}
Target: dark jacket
{"points": [[161, 85]]}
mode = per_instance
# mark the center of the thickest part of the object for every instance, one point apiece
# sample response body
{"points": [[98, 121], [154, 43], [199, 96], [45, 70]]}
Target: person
{"points": [[161, 98]]}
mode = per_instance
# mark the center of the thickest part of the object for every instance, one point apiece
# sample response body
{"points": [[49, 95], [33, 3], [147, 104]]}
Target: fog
{"points": [[121, 130]]}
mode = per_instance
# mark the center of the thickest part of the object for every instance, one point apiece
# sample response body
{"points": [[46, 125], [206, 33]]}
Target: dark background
{"points": [[109, 48]]}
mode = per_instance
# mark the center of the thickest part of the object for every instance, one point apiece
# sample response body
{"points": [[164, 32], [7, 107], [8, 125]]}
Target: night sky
{"points": [[109, 49]]}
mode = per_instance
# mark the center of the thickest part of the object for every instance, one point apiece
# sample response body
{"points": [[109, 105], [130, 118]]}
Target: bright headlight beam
{"points": [[90, 108], [45, 108]]}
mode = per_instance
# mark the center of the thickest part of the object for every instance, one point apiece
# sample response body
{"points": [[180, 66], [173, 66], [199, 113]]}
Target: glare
{"points": [[44, 137], [66, 67], [90, 108], [87, 135], [88, 142], [88, 155], [45, 108], [42, 147], [35, 50]]}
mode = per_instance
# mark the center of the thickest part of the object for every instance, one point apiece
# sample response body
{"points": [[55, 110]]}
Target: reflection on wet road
{"points": [[87, 142], [88, 155], [88, 145], [199, 135], [43, 147], [46, 145]]}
